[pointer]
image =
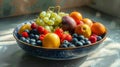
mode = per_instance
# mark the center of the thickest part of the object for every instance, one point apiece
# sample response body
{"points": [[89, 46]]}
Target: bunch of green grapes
{"points": [[50, 19]]}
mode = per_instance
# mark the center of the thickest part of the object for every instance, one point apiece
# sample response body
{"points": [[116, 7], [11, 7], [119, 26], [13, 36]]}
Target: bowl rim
{"points": [[69, 48]]}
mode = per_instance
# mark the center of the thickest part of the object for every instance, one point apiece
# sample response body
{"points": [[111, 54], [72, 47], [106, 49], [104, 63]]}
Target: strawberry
{"points": [[45, 32], [59, 32], [25, 34], [68, 37], [41, 37], [34, 26], [40, 29]]}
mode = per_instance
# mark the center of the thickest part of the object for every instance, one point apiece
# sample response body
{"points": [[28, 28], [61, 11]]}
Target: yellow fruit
{"points": [[87, 21], [83, 29], [24, 27], [51, 40]]}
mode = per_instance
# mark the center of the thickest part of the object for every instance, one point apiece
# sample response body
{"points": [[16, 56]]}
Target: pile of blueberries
{"points": [[33, 38], [78, 40]]}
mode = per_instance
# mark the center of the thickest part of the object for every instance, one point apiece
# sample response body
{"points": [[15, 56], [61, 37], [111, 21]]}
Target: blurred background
{"points": [[21, 7]]}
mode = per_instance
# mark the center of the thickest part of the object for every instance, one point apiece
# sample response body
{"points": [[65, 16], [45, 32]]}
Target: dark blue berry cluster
{"points": [[77, 40], [32, 39]]}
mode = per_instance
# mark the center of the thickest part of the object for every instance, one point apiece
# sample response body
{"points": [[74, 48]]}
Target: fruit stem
{"points": [[51, 8], [58, 9]]}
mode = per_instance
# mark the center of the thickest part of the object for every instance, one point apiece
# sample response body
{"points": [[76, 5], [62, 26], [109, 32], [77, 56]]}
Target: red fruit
{"points": [[34, 26], [40, 29], [45, 31], [59, 32], [93, 39], [68, 37], [94, 35], [79, 22], [41, 37], [25, 34]]}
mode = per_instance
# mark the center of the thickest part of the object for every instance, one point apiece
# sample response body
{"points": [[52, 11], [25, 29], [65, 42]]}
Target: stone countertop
{"points": [[108, 56]]}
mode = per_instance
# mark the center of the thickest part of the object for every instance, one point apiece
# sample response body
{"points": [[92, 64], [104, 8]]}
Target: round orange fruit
{"points": [[98, 28], [51, 40], [87, 21]]}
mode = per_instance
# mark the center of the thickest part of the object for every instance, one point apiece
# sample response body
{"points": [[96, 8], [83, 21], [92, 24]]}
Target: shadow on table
{"points": [[31, 61]]}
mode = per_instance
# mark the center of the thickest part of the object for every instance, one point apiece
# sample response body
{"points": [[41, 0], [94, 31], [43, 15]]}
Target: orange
{"points": [[24, 27], [87, 21], [77, 16], [98, 28], [83, 29], [51, 40]]}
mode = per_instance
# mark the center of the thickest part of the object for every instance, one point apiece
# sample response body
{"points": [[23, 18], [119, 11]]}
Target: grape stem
{"points": [[55, 9]]}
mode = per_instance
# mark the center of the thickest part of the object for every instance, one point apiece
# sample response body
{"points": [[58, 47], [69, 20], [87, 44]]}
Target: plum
{"points": [[68, 24]]}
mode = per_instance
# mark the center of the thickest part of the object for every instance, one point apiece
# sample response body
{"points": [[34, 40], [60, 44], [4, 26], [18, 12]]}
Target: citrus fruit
{"points": [[87, 21], [76, 16], [83, 29], [24, 27], [98, 28], [51, 40]]}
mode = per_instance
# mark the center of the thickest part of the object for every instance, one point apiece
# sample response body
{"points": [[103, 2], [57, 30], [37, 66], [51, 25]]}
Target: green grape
{"points": [[52, 28], [47, 28], [58, 19], [51, 22], [62, 14], [53, 19], [42, 14], [46, 19], [48, 14], [39, 22], [49, 11], [53, 15]]}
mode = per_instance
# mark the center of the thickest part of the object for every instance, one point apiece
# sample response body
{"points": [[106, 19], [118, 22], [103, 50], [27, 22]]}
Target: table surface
{"points": [[108, 56]]}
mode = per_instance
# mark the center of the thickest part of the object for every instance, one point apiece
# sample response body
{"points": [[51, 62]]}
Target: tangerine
{"points": [[87, 21], [98, 28]]}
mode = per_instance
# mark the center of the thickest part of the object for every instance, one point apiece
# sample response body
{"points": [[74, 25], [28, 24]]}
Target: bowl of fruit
{"points": [[59, 35]]}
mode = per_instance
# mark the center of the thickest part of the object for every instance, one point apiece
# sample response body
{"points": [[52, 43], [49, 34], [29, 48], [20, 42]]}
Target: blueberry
{"points": [[87, 42], [23, 39], [36, 37], [86, 39], [27, 41], [82, 41], [79, 44], [32, 40], [27, 31], [74, 40], [19, 35], [34, 31], [32, 35], [33, 43], [74, 35], [63, 46], [80, 37], [65, 42], [39, 43], [99, 38], [71, 45]]}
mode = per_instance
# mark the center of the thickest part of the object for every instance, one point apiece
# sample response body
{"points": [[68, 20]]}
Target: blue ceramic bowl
{"points": [[57, 53]]}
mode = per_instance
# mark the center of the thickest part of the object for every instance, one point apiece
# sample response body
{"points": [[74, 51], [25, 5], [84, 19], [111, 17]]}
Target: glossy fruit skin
{"points": [[25, 34], [87, 21], [84, 30], [40, 29], [59, 32], [24, 27], [68, 23], [51, 40], [34, 26], [98, 28], [93, 39], [76, 16]]}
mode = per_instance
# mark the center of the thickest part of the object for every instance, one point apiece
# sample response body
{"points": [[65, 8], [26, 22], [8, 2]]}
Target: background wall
{"points": [[21, 7]]}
